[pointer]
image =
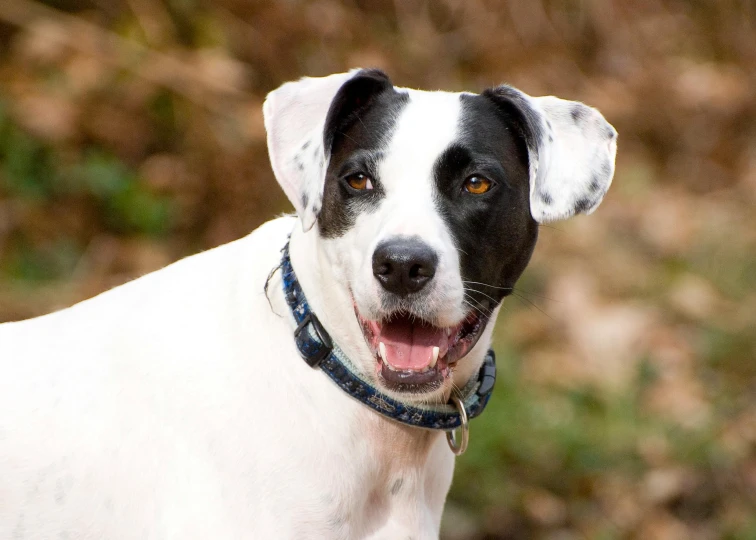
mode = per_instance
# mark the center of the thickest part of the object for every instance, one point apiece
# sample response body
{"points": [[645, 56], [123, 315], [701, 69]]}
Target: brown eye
{"points": [[477, 185], [359, 181]]}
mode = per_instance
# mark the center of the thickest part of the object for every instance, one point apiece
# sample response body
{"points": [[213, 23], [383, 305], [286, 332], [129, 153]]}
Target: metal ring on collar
{"points": [[459, 447]]}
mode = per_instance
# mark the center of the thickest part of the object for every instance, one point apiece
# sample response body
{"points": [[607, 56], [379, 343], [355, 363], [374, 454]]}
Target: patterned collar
{"points": [[319, 351]]}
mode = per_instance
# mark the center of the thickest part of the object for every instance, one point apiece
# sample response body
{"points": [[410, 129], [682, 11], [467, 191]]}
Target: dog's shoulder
{"points": [[194, 287]]}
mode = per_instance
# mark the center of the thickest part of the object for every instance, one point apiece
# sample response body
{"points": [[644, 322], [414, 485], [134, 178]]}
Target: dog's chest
{"points": [[394, 500], [376, 480]]}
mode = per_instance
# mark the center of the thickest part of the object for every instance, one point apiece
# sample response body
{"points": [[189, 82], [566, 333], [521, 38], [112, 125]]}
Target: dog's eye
{"points": [[359, 181], [477, 184]]}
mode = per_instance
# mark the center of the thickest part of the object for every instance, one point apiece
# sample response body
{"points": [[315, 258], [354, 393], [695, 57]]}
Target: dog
{"points": [[205, 400]]}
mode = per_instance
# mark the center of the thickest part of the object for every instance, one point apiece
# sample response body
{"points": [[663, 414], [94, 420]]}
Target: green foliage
{"points": [[96, 182], [26, 262], [549, 436], [27, 168], [125, 205]]}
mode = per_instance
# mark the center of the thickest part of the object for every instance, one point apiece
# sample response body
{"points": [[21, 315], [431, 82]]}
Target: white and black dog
{"points": [[180, 406]]}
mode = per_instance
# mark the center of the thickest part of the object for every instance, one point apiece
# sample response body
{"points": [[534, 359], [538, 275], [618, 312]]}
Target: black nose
{"points": [[404, 265]]}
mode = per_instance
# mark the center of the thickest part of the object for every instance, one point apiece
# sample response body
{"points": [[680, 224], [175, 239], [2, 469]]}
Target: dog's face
{"points": [[428, 203]]}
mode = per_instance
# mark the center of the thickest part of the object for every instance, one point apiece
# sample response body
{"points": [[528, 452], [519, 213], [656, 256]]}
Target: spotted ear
{"points": [[571, 150], [301, 118]]}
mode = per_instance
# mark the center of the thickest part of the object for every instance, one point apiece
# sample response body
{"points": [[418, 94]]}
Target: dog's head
{"points": [[428, 203]]}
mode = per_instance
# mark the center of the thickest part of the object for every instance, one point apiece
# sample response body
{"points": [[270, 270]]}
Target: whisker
{"points": [[484, 294], [477, 309], [533, 304], [537, 295], [522, 291], [487, 285], [363, 123], [477, 306], [455, 389], [347, 136]]}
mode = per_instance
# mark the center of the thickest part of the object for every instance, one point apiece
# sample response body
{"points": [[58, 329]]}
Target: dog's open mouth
{"points": [[413, 355]]}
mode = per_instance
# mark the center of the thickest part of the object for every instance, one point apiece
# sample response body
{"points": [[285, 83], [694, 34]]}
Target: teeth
{"points": [[382, 352], [448, 332], [434, 359]]}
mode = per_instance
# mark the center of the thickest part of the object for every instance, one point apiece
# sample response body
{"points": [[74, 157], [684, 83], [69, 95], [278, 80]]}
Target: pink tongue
{"points": [[410, 346]]}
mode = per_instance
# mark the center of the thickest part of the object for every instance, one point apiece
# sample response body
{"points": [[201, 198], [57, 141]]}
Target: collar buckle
{"points": [[313, 352]]}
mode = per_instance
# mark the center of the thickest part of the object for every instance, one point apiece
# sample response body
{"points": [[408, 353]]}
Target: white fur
{"points": [[295, 114], [177, 406], [565, 166]]}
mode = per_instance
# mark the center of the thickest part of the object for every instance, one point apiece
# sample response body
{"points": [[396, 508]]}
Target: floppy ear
{"points": [[301, 119], [571, 151]]}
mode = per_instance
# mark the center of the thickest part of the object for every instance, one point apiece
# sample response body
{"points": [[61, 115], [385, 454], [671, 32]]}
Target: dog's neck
{"points": [[327, 295]]}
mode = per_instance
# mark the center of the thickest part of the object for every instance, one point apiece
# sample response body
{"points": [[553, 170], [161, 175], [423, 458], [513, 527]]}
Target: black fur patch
{"points": [[396, 486], [494, 231], [358, 127], [581, 205], [579, 112], [514, 108]]}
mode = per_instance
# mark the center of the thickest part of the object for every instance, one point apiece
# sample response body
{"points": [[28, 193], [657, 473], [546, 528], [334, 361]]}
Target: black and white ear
{"points": [[295, 115], [301, 119], [571, 150]]}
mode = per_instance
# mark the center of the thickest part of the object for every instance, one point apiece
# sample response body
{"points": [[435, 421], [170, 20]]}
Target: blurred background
{"points": [[131, 135]]}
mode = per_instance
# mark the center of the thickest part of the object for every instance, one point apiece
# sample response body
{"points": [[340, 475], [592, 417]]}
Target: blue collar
{"points": [[319, 351]]}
